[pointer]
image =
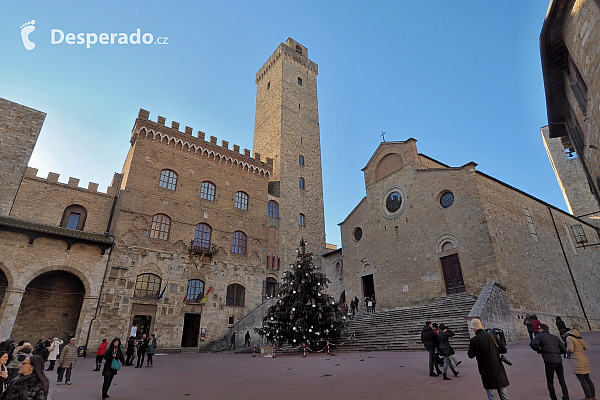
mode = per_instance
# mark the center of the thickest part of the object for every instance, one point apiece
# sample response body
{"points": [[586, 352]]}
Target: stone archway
{"points": [[51, 306]]}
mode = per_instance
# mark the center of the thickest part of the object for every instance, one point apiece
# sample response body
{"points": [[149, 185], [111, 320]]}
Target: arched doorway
{"points": [[50, 307], [3, 285]]}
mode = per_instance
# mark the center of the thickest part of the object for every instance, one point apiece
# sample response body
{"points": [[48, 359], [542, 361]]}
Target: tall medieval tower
{"points": [[286, 129], [20, 127]]}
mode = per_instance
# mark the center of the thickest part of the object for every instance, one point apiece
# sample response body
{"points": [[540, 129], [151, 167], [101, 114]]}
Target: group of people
{"points": [[142, 347], [489, 349], [234, 337], [437, 342], [22, 374]]}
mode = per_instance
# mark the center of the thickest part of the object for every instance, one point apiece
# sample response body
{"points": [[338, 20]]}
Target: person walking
{"points": [[141, 352], [551, 348], [30, 384], [100, 353], [150, 352], [535, 325], [356, 301], [232, 341], [66, 362], [430, 341], [445, 350], [353, 308], [3, 370], [486, 349], [130, 351], [113, 352], [581, 365], [247, 339], [527, 323], [53, 352], [560, 324]]}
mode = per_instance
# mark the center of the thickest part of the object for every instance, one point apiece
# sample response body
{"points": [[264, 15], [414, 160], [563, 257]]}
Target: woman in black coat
{"points": [[30, 384], [113, 351], [445, 350]]}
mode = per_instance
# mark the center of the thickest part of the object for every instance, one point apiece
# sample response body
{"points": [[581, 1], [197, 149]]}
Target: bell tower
{"points": [[286, 129]]}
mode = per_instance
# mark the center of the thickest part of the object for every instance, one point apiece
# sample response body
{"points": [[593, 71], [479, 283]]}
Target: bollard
{"points": [[304, 349], [328, 351], [254, 351]]}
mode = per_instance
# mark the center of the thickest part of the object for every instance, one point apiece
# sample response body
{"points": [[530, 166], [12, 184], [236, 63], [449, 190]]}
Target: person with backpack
{"points": [[581, 365], [487, 349], [551, 348]]}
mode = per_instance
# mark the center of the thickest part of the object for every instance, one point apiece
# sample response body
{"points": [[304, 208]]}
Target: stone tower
{"points": [[286, 129], [20, 127], [571, 178]]}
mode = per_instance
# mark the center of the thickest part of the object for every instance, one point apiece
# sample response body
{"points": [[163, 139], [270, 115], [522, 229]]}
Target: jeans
{"points": [[150, 362], [587, 385], [432, 362], [550, 368], [130, 359], [447, 363], [61, 372], [530, 335], [140, 361], [106, 385], [502, 393]]}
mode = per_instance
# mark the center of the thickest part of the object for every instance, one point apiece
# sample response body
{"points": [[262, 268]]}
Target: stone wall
{"points": [[493, 310], [19, 130]]}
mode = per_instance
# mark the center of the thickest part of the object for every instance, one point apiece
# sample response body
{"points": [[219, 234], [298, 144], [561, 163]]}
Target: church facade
{"points": [[189, 238], [425, 230]]}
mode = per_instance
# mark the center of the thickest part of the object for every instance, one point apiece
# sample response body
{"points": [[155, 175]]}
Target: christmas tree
{"points": [[303, 313]]}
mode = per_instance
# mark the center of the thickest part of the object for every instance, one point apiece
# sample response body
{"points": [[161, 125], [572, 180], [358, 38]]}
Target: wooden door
{"points": [[452, 274], [191, 330]]}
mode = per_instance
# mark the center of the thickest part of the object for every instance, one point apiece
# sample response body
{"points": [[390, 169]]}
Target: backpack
{"points": [[498, 334]]}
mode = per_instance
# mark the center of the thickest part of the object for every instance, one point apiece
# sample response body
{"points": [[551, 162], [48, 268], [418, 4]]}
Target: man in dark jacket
{"points": [[141, 352], [429, 340], [487, 350], [551, 348]]}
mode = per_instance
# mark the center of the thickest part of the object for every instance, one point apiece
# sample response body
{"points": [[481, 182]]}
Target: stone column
{"points": [[88, 309], [9, 310]]}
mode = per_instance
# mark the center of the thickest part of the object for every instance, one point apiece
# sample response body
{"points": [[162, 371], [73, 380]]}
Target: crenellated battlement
{"points": [[292, 50], [157, 130], [74, 182]]}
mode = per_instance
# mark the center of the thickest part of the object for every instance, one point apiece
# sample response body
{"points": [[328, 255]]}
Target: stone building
{"points": [[425, 230], [188, 240], [571, 67]]}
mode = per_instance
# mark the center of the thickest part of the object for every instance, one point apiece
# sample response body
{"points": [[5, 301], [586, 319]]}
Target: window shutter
{"points": [[581, 100]]}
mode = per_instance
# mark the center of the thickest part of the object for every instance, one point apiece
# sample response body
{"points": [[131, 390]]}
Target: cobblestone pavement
{"points": [[362, 375]]}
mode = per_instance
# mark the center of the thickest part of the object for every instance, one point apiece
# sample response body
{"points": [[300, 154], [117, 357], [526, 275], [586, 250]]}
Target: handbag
{"points": [[115, 365]]}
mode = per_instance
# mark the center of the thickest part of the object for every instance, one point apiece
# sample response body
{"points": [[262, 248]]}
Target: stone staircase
{"points": [[400, 329]]}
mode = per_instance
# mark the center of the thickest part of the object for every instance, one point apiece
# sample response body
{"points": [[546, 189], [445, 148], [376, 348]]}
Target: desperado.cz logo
{"points": [[57, 36]]}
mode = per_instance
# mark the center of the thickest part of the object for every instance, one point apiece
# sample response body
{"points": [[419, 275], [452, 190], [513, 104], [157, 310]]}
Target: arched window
{"points": [[235, 295], [168, 179], [74, 217], [207, 191], [241, 200], [299, 81], [301, 220], [238, 245], [273, 211], [161, 225], [301, 160], [195, 291], [147, 286], [202, 236], [301, 183]]}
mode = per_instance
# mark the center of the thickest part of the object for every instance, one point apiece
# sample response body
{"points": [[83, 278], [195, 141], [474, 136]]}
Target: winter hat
{"points": [[476, 324]]}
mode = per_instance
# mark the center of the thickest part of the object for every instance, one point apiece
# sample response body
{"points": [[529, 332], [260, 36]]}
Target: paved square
{"points": [[363, 375]]}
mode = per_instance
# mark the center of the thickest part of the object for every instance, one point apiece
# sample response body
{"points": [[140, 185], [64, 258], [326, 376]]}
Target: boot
{"points": [[455, 373], [446, 377]]}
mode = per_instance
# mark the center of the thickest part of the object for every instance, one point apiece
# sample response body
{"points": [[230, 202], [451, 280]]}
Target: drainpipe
{"points": [[569, 268]]}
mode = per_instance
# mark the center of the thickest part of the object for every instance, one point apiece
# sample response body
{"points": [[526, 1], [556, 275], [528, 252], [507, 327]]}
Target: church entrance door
{"points": [[368, 286], [452, 274]]}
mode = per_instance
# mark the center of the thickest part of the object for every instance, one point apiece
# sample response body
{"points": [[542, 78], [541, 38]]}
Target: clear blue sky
{"points": [[463, 78]]}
